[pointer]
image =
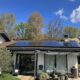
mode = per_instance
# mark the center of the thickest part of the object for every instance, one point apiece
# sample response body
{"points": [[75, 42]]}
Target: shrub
{"points": [[5, 60], [43, 76]]}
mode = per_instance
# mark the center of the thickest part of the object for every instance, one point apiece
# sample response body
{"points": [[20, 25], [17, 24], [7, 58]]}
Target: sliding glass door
{"points": [[55, 62]]}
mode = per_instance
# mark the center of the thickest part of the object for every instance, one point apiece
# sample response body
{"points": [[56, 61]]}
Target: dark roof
{"points": [[5, 37]]}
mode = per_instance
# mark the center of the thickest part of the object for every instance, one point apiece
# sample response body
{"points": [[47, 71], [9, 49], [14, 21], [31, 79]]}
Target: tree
{"points": [[7, 22], [55, 29], [72, 32], [1, 26], [20, 30], [5, 60], [34, 25]]}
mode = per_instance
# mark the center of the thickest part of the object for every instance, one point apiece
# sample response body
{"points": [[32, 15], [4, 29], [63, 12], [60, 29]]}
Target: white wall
{"points": [[72, 61], [40, 61]]}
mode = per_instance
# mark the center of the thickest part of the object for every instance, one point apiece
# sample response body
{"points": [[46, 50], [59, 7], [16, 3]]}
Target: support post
{"points": [[35, 64]]}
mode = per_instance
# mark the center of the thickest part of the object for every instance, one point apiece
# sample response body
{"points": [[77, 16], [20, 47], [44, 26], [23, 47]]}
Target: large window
{"points": [[58, 63], [61, 63], [49, 63]]}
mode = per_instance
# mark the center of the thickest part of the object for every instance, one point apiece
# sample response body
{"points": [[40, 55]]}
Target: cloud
{"points": [[75, 15], [72, 0], [60, 14]]}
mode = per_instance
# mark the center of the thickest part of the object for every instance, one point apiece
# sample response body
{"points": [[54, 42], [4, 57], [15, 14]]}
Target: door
{"points": [[27, 63]]}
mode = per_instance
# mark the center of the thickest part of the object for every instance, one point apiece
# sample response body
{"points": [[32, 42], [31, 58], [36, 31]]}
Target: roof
{"points": [[5, 36], [7, 40], [5, 44], [45, 45]]}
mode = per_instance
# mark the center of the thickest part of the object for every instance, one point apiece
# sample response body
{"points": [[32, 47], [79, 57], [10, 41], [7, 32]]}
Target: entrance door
{"points": [[27, 64]]}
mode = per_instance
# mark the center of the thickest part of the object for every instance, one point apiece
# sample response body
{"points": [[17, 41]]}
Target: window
{"points": [[61, 63], [49, 63]]}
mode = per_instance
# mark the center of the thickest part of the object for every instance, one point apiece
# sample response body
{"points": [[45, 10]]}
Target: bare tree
{"points": [[55, 29]]}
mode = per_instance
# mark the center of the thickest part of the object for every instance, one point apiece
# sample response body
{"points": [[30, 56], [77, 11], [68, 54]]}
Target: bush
{"points": [[43, 76], [5, 60]]}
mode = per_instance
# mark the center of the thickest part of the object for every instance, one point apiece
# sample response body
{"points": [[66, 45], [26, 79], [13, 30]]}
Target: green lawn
{"points": [[8, 77]]}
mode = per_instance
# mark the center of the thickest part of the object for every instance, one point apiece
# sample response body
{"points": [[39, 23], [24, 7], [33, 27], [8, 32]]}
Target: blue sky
{"points": [[67, 10]]}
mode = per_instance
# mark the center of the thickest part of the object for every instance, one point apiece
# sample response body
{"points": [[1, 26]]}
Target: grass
{"points": [[8, 77]]}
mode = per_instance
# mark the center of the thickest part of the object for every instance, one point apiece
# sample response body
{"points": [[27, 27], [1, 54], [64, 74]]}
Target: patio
{"points": [[74, 79], [32, 78]]}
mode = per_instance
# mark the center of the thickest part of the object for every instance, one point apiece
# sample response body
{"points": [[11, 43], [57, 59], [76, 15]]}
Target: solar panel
{"points": [[46, 44], [73, 44], [43, 43], [22, 43], [53, 43]]}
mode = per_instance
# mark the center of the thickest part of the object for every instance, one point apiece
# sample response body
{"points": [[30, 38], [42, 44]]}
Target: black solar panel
{"points": [[43, 43], [22, 43], [46, 44], [73, 44], [53, 43]]}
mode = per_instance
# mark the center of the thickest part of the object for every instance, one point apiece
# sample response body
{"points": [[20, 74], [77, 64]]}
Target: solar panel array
{"points": [[46, 43]]}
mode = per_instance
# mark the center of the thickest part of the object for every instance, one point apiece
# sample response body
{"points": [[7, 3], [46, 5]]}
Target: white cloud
{"points": [[60, 14], [75, 15], [72, 0]]}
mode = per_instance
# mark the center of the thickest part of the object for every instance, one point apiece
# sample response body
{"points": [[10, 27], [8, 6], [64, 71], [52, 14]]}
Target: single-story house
{"points": [[32, 57]]}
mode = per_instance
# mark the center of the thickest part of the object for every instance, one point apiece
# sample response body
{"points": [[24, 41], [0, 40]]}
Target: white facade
{"points": [[59, 61], [64, 63], [72, 61], [40, 61]]}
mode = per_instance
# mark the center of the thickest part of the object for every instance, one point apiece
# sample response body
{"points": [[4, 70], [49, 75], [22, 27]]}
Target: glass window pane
{"points": [[61, 63], [49, 63]]}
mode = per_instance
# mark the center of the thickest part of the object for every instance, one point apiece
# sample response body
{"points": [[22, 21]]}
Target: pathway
{"points": [[74, 78], [27, 78]]}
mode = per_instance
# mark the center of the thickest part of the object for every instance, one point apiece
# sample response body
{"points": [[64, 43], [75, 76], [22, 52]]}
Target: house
{"points": [[32, 57]]}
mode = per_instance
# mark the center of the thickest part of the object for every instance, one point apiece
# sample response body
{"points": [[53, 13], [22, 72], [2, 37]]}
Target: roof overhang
{"points": [[55, 49]]}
